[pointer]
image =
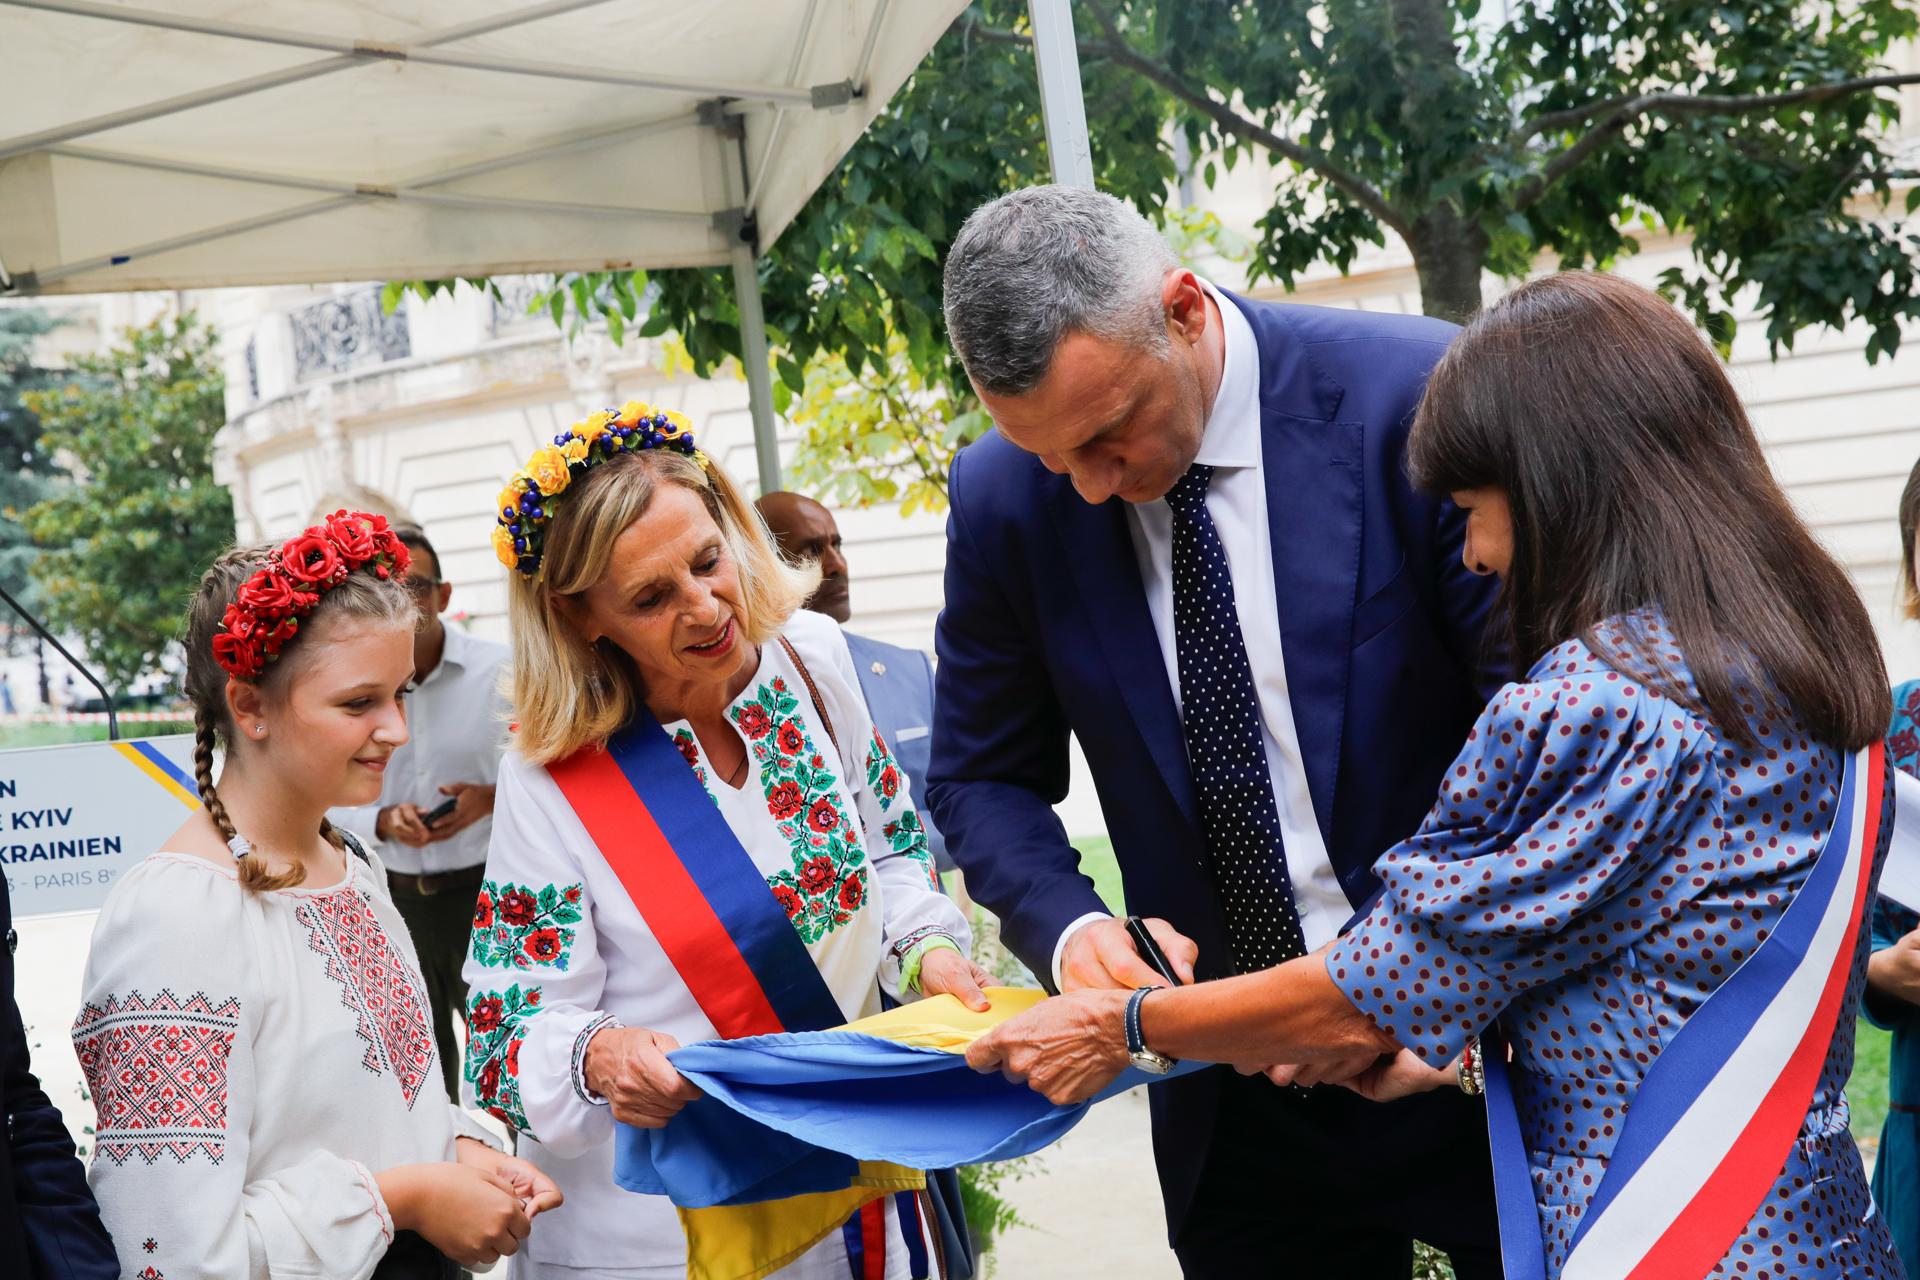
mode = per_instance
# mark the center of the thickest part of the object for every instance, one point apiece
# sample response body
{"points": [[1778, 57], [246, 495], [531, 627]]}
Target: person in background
{"points": [[898, 682], [436, 864], [1893, 973], [50, 1227]]}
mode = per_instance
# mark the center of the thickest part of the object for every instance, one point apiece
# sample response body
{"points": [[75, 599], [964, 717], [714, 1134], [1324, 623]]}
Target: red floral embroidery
{"points": [[755, 722], [823, 816], [788, 898], [889, 782], [519, 908], [157, 1070], [786, 800], [483, 911], [485, 1015], [816, 876], [543, 945], [790, 739], [852, 893], [572, 894], [377, 984]]}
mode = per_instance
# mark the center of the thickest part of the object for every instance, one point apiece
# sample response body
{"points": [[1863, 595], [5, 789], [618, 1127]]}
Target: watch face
{"points": [[1152, 1063]]}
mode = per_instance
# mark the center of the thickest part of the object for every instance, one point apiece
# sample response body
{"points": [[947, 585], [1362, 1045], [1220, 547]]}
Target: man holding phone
{"points": [[435, 812]]}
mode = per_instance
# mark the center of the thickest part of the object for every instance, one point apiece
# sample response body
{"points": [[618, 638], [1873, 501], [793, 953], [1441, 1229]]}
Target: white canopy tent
{"points": [[173, 144]]}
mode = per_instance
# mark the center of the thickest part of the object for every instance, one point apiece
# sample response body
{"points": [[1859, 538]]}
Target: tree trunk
{"points": [[1450, 253]]}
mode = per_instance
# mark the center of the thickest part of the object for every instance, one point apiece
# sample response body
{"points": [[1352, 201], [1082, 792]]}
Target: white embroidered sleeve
{"points": [[167, 1039], [908, 887], [534, 976]]}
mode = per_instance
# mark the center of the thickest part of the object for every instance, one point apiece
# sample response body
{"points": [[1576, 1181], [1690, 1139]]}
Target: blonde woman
{"points": [[698, 833], [255, 1030]]}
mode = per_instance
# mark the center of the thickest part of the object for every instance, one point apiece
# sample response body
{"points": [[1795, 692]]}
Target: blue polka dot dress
{"points": [[1599, 860]]}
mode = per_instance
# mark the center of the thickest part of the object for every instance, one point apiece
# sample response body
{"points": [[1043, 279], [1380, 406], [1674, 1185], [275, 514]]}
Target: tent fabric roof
{"points": [[170, 144]]}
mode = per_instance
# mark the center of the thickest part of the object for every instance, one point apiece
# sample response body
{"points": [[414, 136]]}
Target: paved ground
{"points": [[1094, 1204]]}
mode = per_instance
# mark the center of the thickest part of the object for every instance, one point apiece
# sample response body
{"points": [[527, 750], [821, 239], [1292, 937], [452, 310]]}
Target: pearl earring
{"points": [[259, 729]]}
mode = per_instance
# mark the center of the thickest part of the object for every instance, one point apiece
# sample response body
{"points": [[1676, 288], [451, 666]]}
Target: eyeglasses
{"points": [[420, 586]]}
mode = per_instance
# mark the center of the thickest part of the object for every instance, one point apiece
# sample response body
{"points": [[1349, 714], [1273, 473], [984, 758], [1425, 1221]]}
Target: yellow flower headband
{"points": [[527, 503]]}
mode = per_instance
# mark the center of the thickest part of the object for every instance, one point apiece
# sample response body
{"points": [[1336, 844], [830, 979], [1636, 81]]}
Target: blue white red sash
{"points": [[1712, 1124], [711, 910]]}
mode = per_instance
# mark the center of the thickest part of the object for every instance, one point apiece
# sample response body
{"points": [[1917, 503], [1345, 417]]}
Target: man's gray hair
{"points": [[1040, 263]]}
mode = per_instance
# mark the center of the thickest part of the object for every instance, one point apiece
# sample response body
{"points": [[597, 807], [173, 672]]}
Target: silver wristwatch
{"points": [[1157, 1064]]}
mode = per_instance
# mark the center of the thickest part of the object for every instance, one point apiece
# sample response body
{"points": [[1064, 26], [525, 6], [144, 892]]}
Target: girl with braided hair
{"points": [[255, 1030]]}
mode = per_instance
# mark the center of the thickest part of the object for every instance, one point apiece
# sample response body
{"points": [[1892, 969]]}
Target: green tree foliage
{"points": [[27, 473], [1762, 129], [125, 544]]}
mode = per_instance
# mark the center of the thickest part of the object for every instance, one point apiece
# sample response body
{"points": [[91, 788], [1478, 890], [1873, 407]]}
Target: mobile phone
{"points": [[440, 811], [1150, 950]]}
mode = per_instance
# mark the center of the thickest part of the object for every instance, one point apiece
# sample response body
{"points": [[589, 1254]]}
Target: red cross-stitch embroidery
{"points": [[157, 1070], [376, 984]]}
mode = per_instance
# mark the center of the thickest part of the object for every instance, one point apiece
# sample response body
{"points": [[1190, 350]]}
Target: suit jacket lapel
{"points": [[1095, 541], [1313, 482]]}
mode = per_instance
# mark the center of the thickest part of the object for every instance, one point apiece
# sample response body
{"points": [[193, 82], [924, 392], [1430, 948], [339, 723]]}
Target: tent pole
{"points": [[753, 353], [1061, 105]]}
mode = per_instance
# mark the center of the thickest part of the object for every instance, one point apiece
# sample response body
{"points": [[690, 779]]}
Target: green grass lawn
{"points": [[53, 735]]}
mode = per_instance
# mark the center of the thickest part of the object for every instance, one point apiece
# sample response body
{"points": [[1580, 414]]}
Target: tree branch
{"points": [[1621, 112], [1115, 49]]}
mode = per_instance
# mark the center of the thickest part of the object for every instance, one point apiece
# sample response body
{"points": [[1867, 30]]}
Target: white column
{"points": [[1061, 105]]}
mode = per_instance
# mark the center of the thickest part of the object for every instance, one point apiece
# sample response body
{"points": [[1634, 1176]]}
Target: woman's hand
{"points": [[628, 1067], [1399, 1076], [945, 971], [1068, 1048], [472, 1215], [538, 1193], [1895, 971]]}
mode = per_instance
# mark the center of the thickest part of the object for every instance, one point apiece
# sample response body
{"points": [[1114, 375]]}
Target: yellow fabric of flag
{"points": [[751, 1241]]}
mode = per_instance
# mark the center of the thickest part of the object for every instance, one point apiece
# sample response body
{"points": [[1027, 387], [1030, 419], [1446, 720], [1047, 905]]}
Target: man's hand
{"points": [[1400, 1075], [1307, 1074], [1068, 1048], [1895, 971], [472, 802], [401, 823], [1100, 955]]}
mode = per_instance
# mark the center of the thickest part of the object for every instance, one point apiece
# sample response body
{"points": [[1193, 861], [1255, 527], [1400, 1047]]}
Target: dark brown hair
{"points": [[1635, 480], [360, 595], [1909, 518]]}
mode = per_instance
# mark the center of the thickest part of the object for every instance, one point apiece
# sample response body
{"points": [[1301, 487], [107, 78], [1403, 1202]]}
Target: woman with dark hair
{"points": [[1634, 914], [1893, 972]]}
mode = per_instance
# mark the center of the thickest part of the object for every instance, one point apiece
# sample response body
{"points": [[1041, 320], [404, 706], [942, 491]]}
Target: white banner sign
{"points": [[73, 819]]}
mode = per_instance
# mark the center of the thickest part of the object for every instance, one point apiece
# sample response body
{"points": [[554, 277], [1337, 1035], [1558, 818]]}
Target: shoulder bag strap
{"points": [[813, 692]]}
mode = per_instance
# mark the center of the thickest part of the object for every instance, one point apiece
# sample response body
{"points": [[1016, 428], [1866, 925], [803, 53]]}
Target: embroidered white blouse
{"points": [[255, 1059], [559, 951]]}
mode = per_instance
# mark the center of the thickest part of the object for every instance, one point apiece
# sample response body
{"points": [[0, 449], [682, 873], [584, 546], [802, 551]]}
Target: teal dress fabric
{"points": [[1896, 1172]]}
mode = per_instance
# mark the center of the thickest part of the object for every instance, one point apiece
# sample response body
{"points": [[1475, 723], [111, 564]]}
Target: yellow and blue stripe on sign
{"points": [[149, 760]]}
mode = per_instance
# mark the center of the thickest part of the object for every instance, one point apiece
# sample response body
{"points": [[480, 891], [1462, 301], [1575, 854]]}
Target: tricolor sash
{"points": [[709, 907], [1712, 1123]]}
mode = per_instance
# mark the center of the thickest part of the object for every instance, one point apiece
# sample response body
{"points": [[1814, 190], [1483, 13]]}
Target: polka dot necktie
{"points": [[1238, 817]]}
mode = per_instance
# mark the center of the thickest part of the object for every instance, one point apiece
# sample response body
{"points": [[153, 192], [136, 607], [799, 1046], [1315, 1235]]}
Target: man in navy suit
{"points": [[1190, 543], [897, 682], [50, 1227]]}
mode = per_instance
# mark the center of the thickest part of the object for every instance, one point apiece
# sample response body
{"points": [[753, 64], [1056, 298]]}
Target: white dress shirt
{"points": [[457, 717], [1237, 501]]}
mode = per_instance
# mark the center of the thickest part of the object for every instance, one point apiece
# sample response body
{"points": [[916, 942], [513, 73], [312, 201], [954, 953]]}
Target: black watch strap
{"points": [[1136, 1039]]}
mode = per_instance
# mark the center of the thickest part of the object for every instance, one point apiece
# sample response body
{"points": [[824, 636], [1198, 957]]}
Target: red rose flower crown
{"points": [[267, 609]]}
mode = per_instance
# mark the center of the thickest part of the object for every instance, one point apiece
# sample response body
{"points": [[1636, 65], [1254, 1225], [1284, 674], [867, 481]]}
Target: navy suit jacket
{"points": [[1046, 630], [898, 684], [50, 1227]]}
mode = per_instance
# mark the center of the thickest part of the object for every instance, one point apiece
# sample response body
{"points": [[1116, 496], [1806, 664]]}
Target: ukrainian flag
{"points": [[799, 1130]]}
